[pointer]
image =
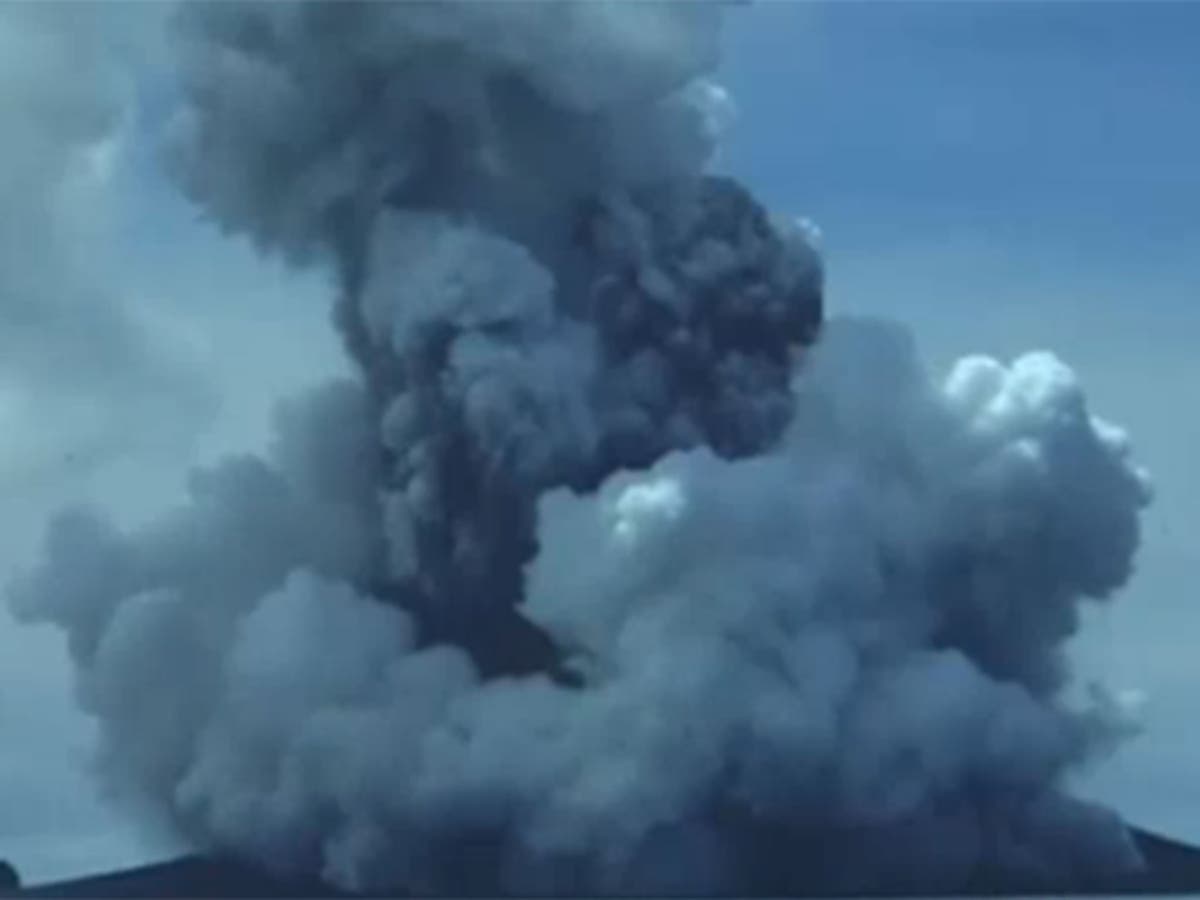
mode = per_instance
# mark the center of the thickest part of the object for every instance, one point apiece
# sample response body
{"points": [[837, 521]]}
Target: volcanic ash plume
{"points": [[606, 574]]}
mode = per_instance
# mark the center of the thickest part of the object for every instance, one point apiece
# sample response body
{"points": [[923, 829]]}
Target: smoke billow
{"points": [[608, 572]]}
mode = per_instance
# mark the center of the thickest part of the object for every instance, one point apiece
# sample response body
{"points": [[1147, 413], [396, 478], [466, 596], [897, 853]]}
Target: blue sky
{"points": [[1076, 119], [1003, 176]]}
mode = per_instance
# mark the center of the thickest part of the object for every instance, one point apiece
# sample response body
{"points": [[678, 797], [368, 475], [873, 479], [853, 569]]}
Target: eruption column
{"points": [[614, 557]]}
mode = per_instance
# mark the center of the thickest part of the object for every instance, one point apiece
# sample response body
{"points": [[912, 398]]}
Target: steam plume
{"points": [[605, 564]]}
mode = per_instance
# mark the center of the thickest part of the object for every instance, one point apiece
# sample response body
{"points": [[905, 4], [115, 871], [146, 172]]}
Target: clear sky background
{"points": [[1003, 176]]}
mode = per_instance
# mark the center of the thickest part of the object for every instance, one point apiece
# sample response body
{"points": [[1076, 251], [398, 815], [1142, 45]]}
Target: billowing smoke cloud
{"points": [[87, 384], [607, 574]]}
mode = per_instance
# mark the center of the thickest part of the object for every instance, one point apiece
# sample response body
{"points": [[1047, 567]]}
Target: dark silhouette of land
{"points": [[190, 876], [1172, 868]]}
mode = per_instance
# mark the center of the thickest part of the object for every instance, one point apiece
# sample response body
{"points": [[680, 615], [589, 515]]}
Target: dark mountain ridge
{"points": [[1173, 868]]}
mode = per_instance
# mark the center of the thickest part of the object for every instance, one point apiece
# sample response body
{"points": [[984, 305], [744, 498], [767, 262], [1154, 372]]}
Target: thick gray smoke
{"points": [[608, 573]]}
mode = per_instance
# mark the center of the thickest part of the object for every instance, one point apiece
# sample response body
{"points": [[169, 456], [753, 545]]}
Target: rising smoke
{"points": [[609, 572]]}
